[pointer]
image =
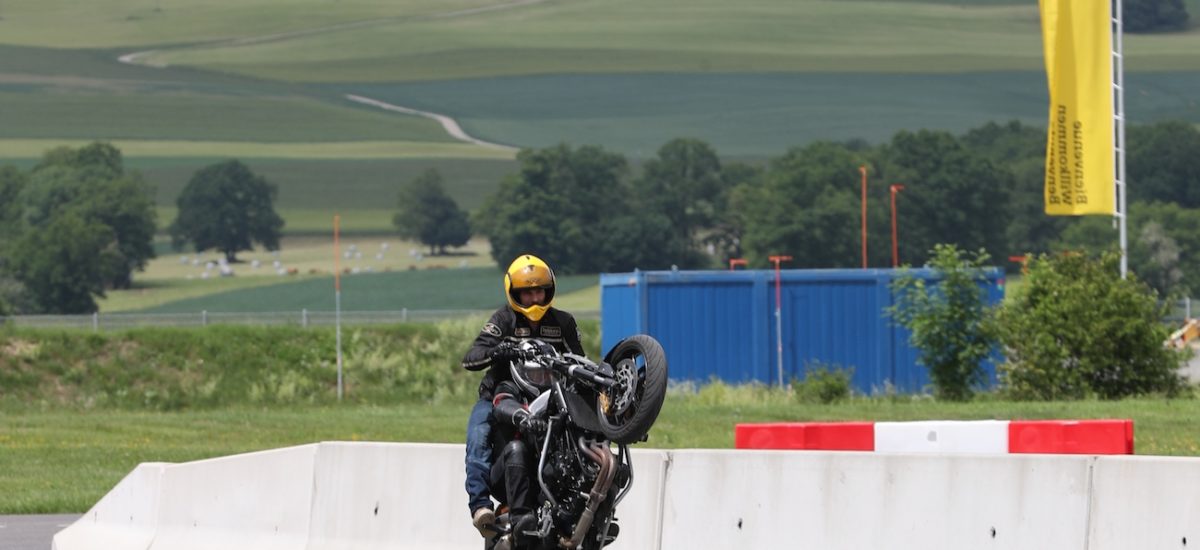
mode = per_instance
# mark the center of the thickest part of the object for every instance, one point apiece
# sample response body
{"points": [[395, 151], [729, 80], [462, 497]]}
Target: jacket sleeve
{"points": [[492, 333], [571, 335]]}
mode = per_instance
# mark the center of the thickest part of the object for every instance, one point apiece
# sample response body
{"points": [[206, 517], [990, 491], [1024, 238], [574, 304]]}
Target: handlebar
{"points": [[579, 372]]}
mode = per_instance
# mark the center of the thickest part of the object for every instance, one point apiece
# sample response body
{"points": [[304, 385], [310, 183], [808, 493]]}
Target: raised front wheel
{"points": [[629, 408]]}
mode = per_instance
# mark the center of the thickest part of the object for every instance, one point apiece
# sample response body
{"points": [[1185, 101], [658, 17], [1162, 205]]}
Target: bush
{"points": [[823, 384], [950, 324], [223, 365], [1076, 329]]}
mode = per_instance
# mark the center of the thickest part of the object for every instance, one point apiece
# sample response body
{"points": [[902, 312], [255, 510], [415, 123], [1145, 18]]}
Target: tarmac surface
{"points": [[32, 532]]}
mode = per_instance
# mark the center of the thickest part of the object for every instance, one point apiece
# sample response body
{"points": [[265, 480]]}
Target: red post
{"points": [[896, 188], [734, 262], [778, 316], [863, 170]]}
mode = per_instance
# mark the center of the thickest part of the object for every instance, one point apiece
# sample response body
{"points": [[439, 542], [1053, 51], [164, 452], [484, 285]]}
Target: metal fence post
{"points": [[1187, 308], [204, 318], [95, 321], [304, 317], [404, 315]]}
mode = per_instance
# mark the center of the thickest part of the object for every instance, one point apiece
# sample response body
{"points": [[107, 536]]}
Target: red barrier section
{"points": [[1090, 437], [823, 436]]}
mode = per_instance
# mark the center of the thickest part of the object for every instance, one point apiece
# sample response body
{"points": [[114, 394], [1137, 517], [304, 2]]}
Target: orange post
{"points": [[734, 262], [896, 188], [863, 170], [778, 316]]}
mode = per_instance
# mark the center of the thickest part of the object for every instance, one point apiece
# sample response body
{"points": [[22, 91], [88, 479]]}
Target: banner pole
{"points": [[1119, 115]]}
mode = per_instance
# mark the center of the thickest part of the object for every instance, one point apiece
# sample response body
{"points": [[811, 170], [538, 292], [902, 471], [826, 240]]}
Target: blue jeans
{"points": [[479, 454]]}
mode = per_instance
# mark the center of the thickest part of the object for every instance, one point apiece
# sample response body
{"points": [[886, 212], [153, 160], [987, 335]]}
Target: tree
{"points": [[65, 263], [684, 184], [12, 181], [92, 182], [1164, 244], [227, 207], [1076, 329], [952, 195], [1164, 163], [806, 206], [1153, 15], [950, 322], [428, 215]]}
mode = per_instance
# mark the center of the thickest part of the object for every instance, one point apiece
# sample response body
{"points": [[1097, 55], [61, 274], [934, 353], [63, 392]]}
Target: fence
{"points": [[303, 318]]}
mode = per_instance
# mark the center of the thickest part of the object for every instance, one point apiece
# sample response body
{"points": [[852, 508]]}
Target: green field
{"points": [[128, 23], [59, 461], [620, 36], [445, 288]]}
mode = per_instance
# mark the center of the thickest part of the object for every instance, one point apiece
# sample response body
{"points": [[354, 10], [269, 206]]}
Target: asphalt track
{"points": [[31, 532]]}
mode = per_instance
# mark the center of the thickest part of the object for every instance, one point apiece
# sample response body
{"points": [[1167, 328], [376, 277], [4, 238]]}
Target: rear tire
{"points": [[643, 358]]}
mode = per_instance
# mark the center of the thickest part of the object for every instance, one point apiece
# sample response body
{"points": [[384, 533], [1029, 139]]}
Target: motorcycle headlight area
{"points": [[531, 376]]}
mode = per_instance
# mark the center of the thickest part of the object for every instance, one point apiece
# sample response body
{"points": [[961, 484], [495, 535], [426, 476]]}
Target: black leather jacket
{"points": [[556, 328]]}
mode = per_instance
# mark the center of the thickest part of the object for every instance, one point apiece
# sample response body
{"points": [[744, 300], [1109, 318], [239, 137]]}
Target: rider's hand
{"points": [[505, 351], [531, 424]]}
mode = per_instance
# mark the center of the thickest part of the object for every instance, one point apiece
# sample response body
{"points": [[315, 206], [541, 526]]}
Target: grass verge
{"points": [[61, 461]]}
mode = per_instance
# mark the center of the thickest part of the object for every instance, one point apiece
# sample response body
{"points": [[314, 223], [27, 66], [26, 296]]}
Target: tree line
{"points": [[585, 208], [80, 223]]}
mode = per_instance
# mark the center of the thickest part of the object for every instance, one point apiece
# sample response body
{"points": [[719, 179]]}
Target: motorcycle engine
{"points": [[569, 477]]}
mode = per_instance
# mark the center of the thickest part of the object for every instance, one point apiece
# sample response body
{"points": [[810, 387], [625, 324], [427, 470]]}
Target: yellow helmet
{"points": [[529, 271]]}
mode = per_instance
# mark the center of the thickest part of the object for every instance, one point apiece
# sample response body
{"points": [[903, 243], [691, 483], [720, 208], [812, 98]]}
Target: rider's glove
{"points": [[505, 351], [529, 424]]}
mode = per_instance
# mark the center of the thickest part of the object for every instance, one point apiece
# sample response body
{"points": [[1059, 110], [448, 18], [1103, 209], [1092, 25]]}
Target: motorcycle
{"points": [[588, 408]]}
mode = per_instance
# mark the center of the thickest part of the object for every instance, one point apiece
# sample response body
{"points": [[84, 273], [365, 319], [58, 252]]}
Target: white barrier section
{"points": [[384, 495], [944, 436], [372, 496], [124, 518], [254, 501], [832, 500], [640, 514], [1145, 502]]}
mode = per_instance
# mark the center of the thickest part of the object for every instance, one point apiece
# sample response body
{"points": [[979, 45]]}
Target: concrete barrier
{"points": [[333, 496], [254, 501], [1145, 503], [124, 518], [852, 500], [383, 495]]}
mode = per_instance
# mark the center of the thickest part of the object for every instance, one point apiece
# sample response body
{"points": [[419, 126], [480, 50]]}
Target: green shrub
{"points": [[1076, 330], [222, 365], [949, 322], [823, 384]]}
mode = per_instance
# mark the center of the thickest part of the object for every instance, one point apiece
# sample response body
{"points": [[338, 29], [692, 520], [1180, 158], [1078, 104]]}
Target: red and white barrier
{"points": [[1093, 437]]}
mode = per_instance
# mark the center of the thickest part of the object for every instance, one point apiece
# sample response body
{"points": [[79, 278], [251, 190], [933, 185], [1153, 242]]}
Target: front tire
{"points": [[629, 409]]}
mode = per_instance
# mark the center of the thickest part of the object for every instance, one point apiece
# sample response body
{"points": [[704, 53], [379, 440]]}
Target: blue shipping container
{"points": [[722, 323]]}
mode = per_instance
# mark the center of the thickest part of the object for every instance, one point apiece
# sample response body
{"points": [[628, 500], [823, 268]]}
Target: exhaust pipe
{"points": [[599, 453]]}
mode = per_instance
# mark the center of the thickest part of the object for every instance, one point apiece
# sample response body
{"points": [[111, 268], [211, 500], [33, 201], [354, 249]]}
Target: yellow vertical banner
{"points": [[1080, 172]]}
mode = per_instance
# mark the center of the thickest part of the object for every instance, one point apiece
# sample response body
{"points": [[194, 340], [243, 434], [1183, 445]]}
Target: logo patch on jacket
{"points": [[522, 332], [552, 332], [492, 329]]}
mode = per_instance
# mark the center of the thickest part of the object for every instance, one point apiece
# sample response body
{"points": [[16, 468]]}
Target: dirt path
{"points": [[451, 126]]}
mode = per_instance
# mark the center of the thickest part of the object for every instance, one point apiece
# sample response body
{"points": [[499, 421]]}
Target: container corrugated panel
{"points": [[721, 324]]}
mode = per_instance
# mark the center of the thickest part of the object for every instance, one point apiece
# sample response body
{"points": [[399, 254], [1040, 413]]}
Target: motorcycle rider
{"points": [[512, 426], [529, 290]]}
